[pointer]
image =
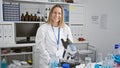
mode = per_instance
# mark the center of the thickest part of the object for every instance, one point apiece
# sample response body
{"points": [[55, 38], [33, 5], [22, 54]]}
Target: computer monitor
{"points": [[25, 32]]}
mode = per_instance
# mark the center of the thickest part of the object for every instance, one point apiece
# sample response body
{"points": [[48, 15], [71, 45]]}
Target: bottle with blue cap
{"points": [[116, 55], [116, 49]]}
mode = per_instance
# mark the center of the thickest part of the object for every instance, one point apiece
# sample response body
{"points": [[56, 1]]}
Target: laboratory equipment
{"points": [[69, 54]]}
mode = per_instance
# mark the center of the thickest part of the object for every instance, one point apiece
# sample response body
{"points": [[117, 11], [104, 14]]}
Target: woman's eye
{"points": [[57, 13]]}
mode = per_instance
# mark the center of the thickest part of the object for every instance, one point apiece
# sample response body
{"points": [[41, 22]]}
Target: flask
{"points": [[3, 63]]}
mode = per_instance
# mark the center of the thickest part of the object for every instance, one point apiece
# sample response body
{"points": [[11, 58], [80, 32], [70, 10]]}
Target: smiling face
{"points": [[56, 16]]}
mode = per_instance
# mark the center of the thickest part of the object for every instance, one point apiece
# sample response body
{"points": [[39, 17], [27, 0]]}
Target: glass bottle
{"points": [[22, 17], [26, 16], [34, 18], [30, 17], [39, 16]]}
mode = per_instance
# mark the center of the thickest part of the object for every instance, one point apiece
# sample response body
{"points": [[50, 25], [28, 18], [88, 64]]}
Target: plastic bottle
{"points": [[116, 49], [3, 63], [116, 55]]}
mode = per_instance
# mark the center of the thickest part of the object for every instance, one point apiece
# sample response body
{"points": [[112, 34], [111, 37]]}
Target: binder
{"points": [[1, 33], [5, 33], [8, 33]]}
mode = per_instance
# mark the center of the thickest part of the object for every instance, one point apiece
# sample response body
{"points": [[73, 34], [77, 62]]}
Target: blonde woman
{"points": [[49, 35]]}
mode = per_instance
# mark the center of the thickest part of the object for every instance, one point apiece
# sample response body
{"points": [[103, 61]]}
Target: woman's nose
{"points": [[57, 14]]}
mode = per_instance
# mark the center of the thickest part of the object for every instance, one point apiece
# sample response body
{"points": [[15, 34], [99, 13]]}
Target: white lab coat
{"points": [[46, 43]]}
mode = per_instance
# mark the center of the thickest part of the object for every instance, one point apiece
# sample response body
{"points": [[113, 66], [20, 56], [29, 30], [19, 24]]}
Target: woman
{"points": [[49, 35]]}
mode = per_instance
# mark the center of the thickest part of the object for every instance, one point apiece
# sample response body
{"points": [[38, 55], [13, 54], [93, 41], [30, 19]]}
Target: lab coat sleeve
{"points": [[40, 45]]}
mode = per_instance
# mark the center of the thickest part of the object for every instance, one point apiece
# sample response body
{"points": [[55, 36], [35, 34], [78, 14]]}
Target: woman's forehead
{"points": [[57, 9]]}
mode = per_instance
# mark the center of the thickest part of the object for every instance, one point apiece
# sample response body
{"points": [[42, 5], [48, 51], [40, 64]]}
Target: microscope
{"points": [[69, 54]]}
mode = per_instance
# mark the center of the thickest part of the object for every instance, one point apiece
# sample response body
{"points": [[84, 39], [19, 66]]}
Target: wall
{"points": [[104, 32]]}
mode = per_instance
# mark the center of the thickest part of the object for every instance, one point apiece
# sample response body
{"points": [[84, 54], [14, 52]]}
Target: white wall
{"points": [[103, 38]]}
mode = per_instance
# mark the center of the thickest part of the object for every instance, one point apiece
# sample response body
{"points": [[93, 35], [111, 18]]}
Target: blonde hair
{"points": [[61, 22]]}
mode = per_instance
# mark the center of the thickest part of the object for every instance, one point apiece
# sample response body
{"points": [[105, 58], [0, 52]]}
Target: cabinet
{"points": [[20, 55]]}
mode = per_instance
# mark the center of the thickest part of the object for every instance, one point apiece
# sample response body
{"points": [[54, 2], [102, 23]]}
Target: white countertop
{"points": [[83, 65]]}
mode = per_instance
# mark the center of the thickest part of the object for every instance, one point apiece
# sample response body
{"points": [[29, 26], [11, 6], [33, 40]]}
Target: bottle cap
{"points": [[65, 65], [116, 46]]}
